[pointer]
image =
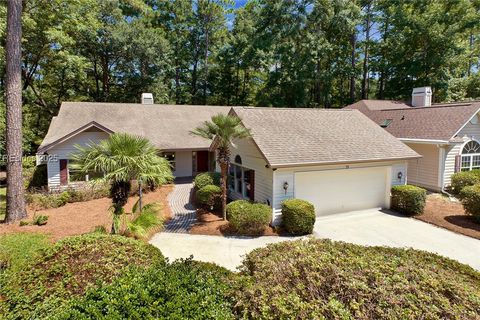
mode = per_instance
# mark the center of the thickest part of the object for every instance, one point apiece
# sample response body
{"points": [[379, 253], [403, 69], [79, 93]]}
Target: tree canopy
{"points": [[292, 53]]}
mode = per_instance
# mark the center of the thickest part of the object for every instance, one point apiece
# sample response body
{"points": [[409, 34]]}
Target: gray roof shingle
{"points": [[298, 136], [166, 126], [438, 122]]}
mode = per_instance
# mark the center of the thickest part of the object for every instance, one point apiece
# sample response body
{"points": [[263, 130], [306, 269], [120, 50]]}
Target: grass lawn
{"points": [[3, 202]]}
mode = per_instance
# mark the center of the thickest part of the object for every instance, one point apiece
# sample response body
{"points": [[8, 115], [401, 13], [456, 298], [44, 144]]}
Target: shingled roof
{"points": [[298, 136], [166, 126], [440, 122]]}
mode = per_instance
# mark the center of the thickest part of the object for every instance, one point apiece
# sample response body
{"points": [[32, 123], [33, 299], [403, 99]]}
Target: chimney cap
{"points": [[147, 98]]}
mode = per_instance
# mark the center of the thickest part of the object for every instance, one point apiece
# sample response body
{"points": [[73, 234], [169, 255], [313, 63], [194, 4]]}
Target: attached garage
{"points": [[337, 191]]}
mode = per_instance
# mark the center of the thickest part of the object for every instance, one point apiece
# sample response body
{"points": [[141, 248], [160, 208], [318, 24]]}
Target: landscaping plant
{"points": [[249, 218], [464, 179], [223, 130], [470, 196], [409, 200], [298, 216], [145, 221], [68, 269], [185, 289], [123, 158], [209, 197], [207, 178], [321, 279]]}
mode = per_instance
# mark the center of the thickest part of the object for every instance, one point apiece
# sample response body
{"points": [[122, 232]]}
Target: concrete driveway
{"points": [[374, 227], [369, 227]]}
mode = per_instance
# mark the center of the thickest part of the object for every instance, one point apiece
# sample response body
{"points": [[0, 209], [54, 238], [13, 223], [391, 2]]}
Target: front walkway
{"points": [[183, 210]]}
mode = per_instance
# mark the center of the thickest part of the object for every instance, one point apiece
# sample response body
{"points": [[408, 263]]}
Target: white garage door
{"points": [[336, 191]]}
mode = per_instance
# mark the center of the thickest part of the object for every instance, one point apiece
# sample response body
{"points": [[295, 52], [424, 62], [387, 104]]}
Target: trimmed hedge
{"points": [[68, 269], [183, 290], [464, 179], [470, 196], [209, 197], [321, 279], [207, 178], [298, 216], [408, 199], [248, 218]]}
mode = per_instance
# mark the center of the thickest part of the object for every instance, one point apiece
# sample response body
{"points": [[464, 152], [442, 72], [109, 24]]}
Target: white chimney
{"points": [[147, 98], [422, 97]]}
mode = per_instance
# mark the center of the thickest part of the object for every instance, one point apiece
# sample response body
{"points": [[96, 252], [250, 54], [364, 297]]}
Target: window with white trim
{"points": [[239, 179], [470, 156]]}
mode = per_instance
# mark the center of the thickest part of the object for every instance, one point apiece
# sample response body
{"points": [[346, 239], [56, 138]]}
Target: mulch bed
{"points": [[82, 217], [443, 212], [211, 224]]}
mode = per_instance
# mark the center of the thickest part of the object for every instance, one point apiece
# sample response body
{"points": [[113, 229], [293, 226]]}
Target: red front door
{"points": [[202, 161]]}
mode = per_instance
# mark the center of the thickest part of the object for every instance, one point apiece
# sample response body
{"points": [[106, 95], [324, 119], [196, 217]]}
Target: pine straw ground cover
{"points": [[443, 212], [82, 217]]}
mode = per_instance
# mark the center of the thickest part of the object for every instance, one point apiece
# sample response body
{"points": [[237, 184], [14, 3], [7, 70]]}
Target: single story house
{"points": [[166, 126], [337, 159], [446, 135]]}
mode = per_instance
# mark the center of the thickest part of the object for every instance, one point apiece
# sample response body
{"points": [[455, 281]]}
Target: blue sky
{"points": [[240, 3]]}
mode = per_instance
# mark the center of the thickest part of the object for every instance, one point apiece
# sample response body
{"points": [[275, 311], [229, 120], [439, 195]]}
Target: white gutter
{"points": [[428, 141]]}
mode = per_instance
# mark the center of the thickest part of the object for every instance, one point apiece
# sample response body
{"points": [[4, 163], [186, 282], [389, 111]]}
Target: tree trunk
{"points": [[15, 190], [366, 53], [353, 41], [223, 159]]}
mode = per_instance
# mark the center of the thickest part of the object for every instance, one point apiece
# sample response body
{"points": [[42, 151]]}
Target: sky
{"points": [[240, 3]]}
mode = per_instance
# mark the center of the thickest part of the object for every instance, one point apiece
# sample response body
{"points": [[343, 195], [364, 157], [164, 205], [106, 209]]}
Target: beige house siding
{"points": [[253, 159], [424, 171]]}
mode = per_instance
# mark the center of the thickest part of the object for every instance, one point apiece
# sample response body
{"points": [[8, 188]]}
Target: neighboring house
{"points": [[337, 159], [446, 135], [166, 126]]}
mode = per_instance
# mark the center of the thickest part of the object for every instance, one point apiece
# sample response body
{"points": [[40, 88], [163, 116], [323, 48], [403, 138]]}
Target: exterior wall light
{"points": [[400, 176], [285, 186]]}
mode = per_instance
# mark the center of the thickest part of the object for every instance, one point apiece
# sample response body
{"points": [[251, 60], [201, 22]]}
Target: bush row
{"points": [[110, 277], [466, 186], [46, 200]]}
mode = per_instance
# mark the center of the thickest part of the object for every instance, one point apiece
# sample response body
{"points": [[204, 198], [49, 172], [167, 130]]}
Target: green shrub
{"points": [[209, 196], [207, 178], [18, 249], [146, 221], [409, 200], [183, 290], [321, 279], [35, 177], [40, 220], [463, 179], [70, 267], [248, 218], [470, 196], [298, 216], [47, 200]]}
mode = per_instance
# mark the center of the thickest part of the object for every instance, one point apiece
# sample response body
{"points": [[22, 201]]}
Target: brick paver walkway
{"points": [[183, 210]]}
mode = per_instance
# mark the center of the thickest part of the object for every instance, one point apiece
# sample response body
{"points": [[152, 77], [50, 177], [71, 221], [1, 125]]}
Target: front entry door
{"points": [[202, 161]]}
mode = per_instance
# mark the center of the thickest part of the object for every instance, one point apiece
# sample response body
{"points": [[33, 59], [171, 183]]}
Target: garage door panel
{"points": [[336, 191]]}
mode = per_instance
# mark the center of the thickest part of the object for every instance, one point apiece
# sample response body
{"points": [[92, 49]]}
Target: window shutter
{"points": [[458, 162], [252, 185], [63, 172]]}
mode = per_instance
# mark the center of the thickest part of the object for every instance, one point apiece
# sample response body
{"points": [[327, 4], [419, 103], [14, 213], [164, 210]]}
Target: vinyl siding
{"points": [[469, 132], [253, 159], [424, 172], [65, 150], [288, 175]]}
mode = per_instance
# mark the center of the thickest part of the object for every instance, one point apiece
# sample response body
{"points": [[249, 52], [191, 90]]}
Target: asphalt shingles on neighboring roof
{"points": [[438, 122], [166, 126], [296, 136]]}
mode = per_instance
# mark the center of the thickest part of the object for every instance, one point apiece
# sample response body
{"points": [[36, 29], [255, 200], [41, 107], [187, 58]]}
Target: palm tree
{"points": [[123, 158], [223, 129]]}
